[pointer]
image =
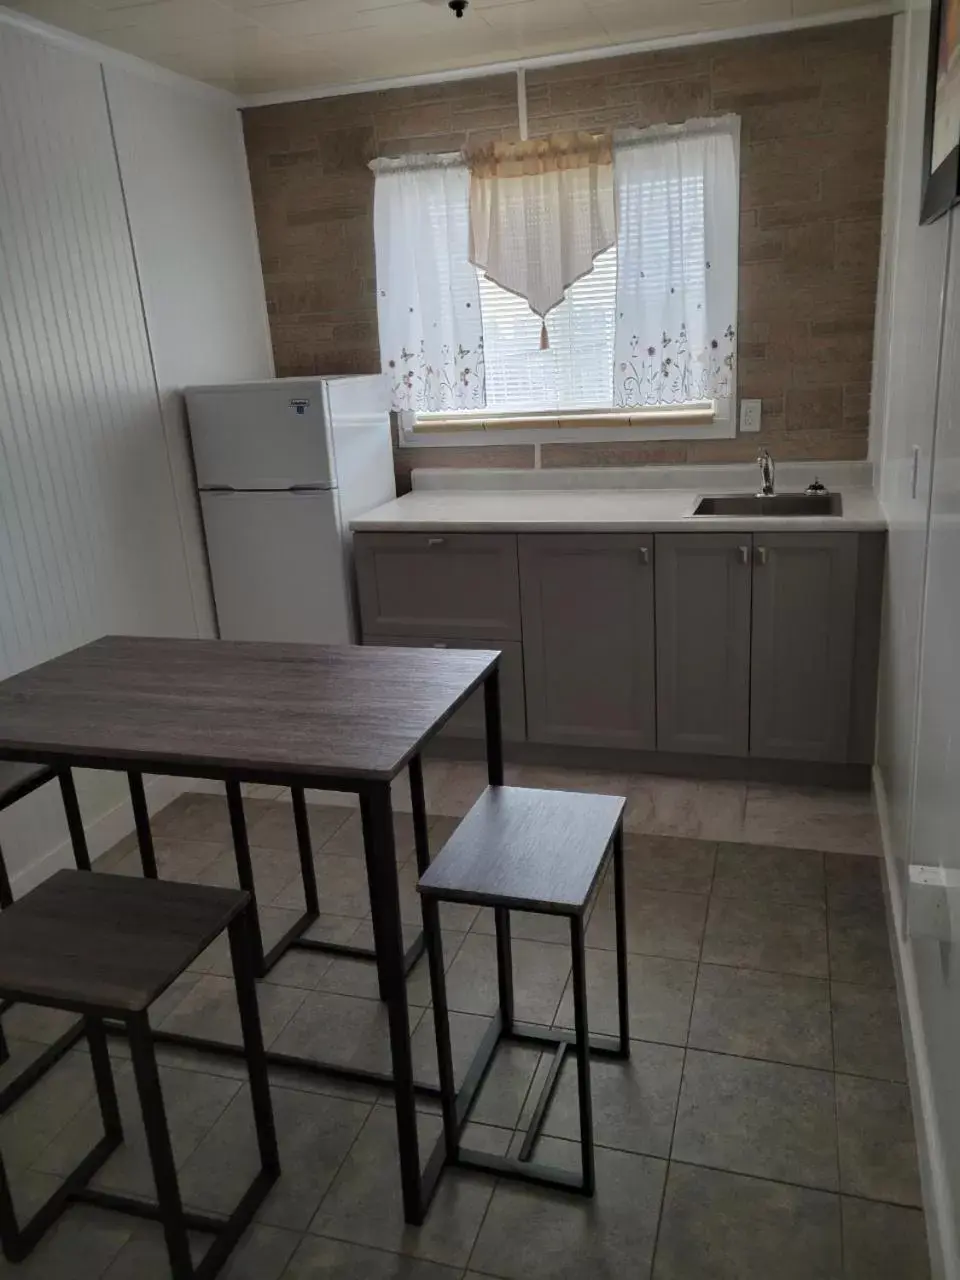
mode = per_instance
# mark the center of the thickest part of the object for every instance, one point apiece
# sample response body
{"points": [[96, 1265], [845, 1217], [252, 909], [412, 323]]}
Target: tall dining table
{"points": [[347, 719]]}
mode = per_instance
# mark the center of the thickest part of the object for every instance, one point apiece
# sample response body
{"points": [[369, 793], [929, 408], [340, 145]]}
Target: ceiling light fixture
{"points": [[459, 7]]}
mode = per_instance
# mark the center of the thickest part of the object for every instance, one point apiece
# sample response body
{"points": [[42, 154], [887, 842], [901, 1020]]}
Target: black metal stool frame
{"points": [[18, 1242], [63, 1044], [456, 1107]]}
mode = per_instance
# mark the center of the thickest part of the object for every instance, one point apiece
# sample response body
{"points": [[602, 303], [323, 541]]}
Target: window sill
{"points": [[459, 430]]}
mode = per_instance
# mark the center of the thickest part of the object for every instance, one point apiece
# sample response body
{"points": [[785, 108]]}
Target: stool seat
{"points": [[525, 849], [18, 780], [89, 941]]}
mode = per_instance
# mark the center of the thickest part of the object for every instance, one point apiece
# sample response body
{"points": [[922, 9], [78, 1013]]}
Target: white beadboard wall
{"points": [[97, 526]]}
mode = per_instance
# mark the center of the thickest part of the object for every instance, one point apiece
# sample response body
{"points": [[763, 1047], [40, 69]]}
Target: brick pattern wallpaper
{"points": [[814, 108]]}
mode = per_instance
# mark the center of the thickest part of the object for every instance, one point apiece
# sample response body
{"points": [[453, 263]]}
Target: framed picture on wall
{"points": [[941, 135]]}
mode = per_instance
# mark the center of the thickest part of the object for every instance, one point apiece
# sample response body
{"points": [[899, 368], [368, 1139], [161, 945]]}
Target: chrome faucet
{"points": [[767, 472]]}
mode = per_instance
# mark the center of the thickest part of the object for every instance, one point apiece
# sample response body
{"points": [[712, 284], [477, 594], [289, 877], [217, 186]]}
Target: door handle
{"points": [[644, 555], [762, 555], [743, 554], [435, 542]]}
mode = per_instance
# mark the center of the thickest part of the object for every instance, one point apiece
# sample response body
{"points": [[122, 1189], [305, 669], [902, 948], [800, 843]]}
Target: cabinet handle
{"points": [[436, 542], [439, 644], [743, 554], [762, 555], [644, 555]]}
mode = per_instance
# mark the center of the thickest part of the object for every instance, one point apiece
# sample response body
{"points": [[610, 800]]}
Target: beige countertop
{"points": [[609, 510]]}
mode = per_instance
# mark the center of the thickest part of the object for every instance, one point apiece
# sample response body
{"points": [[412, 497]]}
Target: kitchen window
{"points": [[642, 345]]}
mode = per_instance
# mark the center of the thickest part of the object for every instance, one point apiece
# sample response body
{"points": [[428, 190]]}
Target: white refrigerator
{"points": [[282, 468]]}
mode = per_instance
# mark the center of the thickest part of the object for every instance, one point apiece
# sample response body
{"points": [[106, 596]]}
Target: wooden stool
{"points": [[18, 780], [106, 946], [538, 851]]}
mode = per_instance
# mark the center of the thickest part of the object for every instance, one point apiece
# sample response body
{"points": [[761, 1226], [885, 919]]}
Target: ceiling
{"points": [[268, 46]]}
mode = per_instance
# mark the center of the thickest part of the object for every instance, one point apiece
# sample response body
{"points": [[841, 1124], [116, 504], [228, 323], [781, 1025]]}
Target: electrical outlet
{"points": [[750, 415], [930, 892]]}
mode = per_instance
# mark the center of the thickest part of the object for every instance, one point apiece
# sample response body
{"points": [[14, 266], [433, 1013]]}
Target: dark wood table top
{"points": [[526, 849], [260, 708], [88, 940]]}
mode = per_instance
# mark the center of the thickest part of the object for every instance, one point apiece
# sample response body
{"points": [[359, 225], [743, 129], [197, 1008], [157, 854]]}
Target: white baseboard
{"points": [[102, 834], [937, 1199]]}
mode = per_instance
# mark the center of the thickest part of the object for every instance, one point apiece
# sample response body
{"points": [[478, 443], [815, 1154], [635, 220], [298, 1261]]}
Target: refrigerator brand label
{"points": [[299, 405]]}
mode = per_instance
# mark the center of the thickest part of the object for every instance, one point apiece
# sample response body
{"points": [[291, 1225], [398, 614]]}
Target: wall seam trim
{"points": [[925, 570], [153, 362]]}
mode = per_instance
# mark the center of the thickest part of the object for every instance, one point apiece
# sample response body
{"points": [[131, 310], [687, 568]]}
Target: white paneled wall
{"points": [[96, 496], [187, 188], [916, 417]]}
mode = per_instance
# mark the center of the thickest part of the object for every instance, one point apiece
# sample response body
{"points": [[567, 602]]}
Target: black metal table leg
{"points": [[241, 931], [301, 820], [583, 1052], [501, 917], [377, 817], [141, 817], [71, 807], [494, 729], [418, 805], [241, 848], [6, 893], [620, 913], [158, 1142]]}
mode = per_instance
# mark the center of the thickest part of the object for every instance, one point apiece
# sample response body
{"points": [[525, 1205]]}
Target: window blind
{"points": [[576, 372]]}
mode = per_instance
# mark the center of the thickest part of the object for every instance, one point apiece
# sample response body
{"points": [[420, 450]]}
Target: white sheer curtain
{"points": [[678, 210], [540, 213], [428, 297]]}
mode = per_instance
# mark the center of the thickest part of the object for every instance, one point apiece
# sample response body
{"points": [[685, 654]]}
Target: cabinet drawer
{"points": [[468, 722], [456, 585]]}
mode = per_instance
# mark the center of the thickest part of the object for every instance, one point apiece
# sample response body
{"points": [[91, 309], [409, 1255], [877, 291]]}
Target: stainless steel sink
{"points": [[778, 504]]}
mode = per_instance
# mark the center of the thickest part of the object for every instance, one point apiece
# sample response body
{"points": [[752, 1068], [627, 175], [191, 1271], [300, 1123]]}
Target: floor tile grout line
{"points": [[683, 1069], [802, 1186], [371, 1107], [836, 1099]]}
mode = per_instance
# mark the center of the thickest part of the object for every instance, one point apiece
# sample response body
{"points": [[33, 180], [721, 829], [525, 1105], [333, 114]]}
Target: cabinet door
{"points": [[804, 611], [588, 648], [438, 584], [469, 721], [703, 642]]}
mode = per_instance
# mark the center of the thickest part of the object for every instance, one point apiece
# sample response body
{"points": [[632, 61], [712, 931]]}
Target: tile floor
{"points": [[762, 1126]]}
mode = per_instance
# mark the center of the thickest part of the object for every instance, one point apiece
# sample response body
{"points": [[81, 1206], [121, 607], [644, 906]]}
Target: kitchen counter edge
{"points": [[597, 511]]}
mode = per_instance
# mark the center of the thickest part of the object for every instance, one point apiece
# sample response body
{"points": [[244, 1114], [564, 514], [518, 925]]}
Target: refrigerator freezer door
{"points": [[262, 435], [277, 565]]}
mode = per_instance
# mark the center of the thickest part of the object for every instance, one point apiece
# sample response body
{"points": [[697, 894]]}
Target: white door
{"points": [[277, 565], [261, 435]]}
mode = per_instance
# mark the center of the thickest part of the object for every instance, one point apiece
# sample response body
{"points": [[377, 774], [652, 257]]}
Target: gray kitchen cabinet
{"points": [[588, 638], [703, 642], [446, 585], [469, 721], [804, 616]]}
